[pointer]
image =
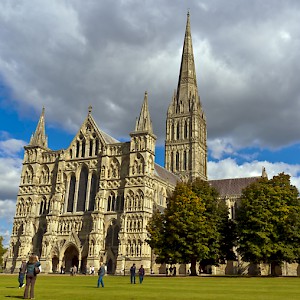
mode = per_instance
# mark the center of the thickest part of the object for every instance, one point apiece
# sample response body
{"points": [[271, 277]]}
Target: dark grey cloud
{"points": [[67, 55]]}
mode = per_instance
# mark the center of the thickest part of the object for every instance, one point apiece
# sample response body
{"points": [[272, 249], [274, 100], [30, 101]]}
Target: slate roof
{"points": [[108, 139], [165, 174], [233, 186]]}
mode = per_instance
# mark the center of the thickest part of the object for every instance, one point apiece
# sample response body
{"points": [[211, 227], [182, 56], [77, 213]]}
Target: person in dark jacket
{"points": [[101, 273], [132, 273], [22, 272], [141, 273], [31, 275]]}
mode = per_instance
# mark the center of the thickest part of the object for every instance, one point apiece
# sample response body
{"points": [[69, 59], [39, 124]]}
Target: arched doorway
{"points": [[71, 258], [54, 264], [110, 268]]}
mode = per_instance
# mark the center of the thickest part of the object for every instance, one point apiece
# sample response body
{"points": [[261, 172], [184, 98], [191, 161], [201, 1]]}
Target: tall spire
{"points": [[185, 146], [187, 82], [144, 121], [39, 137]]}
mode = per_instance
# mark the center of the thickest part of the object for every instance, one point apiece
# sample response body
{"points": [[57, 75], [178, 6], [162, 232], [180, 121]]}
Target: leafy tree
{"points": [[223, 235], [2, 251], [189, 228], [268, 221]]}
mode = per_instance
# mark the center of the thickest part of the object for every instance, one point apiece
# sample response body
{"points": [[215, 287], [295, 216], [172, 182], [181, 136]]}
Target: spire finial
{"points": [[144, 123], [39, 137], [90, 109]]}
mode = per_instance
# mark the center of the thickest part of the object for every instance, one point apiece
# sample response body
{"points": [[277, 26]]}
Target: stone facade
{"points": [[90, 202]]}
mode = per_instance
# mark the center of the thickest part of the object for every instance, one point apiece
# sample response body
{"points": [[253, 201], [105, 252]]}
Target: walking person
{"points": [[22, 272], [31, 275], [141, 273], [101, 273], [132, 273]]}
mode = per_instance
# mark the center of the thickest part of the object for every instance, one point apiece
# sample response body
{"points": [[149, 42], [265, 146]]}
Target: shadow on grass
{"points": [[15, 297]]}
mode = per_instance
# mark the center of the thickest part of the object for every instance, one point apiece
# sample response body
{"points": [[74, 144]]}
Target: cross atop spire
{"points": [[39, 137], [144, 123]]}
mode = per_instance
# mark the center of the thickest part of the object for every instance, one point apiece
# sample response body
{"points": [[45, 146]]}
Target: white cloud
{"points": [[229, 168], [220, 147], [11, 147], [10, 174], [7, 212]]}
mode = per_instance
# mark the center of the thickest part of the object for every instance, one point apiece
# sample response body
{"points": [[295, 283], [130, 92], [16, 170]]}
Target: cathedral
{"points": [[91, 202]]}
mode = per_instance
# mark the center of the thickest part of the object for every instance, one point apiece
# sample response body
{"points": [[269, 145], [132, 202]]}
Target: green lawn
{"points": [[118, 287]]}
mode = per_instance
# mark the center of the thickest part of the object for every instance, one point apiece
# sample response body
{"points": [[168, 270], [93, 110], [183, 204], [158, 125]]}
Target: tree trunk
{"points": [[193, 267]]}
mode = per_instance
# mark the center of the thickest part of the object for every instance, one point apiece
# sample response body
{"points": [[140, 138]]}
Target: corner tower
{"points": [[185, 145]]}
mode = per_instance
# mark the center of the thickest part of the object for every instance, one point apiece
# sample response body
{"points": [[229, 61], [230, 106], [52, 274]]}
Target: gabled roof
{"points": [[232, 186], [104, 137], [165, 174], [108, 139]]}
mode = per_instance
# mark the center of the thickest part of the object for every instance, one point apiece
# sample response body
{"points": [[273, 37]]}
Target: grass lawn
{"points": [[65, 287]]}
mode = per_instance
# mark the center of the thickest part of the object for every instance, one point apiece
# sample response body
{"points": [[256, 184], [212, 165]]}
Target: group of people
{"points": [[141, 272], [30, 269], [171, 271], [73, 270], [133, 273]]}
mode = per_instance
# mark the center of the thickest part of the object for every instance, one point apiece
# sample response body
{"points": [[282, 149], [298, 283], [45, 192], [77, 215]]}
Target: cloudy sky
{"points": [[67, 55]]}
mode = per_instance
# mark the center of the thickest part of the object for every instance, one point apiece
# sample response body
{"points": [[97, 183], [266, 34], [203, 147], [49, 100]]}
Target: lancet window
{"points": [[177, 161], [93, 192], [71, 193], [186, 129], [44, 206], [111, 203], [82, 189]]}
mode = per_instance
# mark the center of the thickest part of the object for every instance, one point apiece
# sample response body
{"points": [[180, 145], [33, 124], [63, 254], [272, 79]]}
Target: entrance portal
{"points": [[71, 258], [54, 264]]}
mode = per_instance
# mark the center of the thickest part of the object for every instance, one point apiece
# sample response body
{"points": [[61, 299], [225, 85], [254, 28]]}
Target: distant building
{"points": [[92, 201]]}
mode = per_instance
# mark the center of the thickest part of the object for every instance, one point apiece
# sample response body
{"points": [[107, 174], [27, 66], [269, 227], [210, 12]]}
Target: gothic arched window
{"points": [[77, 148], [177, 161], [186, 129], [185, 160], [93, 192], [82, 189], [71, 193], [178, 131], [97, 147], [83, 148]]}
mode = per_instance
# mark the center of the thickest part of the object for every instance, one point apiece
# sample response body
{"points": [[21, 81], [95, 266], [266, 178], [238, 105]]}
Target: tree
{"points": [[223, 230], [268, 222], [189, 228], [2, 251]]}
